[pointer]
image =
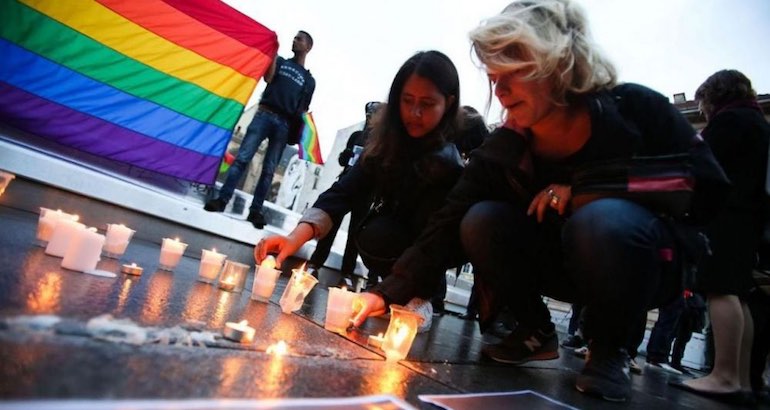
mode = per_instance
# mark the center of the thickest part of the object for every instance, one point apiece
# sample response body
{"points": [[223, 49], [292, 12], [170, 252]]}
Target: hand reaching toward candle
{"points": [[283, 246], [367, 304]]}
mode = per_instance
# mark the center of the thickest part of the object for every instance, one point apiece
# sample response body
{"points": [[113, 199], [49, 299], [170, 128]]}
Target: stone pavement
{"points": [[65, 361]]}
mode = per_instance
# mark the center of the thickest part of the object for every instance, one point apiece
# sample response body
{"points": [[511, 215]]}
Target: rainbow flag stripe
{"points": [[158, 84], [309, 148]]}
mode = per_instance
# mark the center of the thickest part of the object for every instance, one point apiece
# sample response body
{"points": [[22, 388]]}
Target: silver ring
{"points": [[550, 193]]}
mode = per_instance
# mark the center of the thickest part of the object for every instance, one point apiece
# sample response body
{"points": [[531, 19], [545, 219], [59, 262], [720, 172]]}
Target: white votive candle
{"points": [[211, 264], [116, 240], [63, 232], [264, 280], [47, 222], [83, 251], [239, 332], [339, 310], [170, 253]]}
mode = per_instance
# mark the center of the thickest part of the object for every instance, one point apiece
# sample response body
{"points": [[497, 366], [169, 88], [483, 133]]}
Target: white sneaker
{"points": [[424, 308]]}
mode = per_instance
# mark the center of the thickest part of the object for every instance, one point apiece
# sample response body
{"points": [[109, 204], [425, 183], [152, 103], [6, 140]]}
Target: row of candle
{"points": [[80, 248]]}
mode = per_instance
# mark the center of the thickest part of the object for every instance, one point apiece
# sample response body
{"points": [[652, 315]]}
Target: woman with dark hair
{"points": [[406, 170], [738, 135]]}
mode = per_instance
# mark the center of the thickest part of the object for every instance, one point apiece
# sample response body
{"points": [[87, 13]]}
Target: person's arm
{"points": [[283, 246], [270, 73]]}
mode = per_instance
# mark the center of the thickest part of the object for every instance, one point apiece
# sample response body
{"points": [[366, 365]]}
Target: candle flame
{"points": [[133, 264], [75, 218], [302, 268], [269, 262], [229, 280], [278, 349], [176, 239], [243, 323], [91, 229], [214, 250], [402, 331]]}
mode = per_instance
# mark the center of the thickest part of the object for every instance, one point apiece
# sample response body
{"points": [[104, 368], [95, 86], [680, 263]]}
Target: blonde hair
{"points": [[548, 37]]}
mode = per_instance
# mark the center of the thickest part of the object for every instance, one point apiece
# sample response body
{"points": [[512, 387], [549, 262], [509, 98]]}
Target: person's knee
{"points": [[480, 219]]}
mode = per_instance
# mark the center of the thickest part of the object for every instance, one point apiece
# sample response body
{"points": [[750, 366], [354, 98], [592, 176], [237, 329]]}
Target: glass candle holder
{"points": [[264, 280], [171, 252], [339, 310], [401, 332], [116, 240], [233, 276], [299, 285], [211, 264]]}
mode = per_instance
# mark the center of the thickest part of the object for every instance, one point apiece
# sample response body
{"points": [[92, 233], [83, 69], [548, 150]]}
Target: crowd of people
{"points": [[529, 205]]}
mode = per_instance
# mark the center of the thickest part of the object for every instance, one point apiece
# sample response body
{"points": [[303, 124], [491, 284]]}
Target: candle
{"points": [[300, 284], [211, 263], [339, 310], [5, 179], [401, 332], [116, 241], [264, 280], [239, 332], [47, 222], [170, 253], [233, 276], [83, 250], [376, 341], [63, 232], [132, 269]]}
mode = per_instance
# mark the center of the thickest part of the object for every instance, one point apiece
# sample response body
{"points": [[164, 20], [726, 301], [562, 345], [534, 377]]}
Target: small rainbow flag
{"points": [[158, 84], [309, 148]]}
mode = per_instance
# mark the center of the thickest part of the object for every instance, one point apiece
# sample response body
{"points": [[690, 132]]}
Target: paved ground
{"points": [[65, 360]]}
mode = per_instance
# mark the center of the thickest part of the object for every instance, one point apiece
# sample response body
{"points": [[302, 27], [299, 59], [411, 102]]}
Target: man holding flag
{"points": [[287, 97]]}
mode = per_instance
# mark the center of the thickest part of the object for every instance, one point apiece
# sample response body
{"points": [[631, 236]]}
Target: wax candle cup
{"points": [[5, 179], [171, 252], [83, 250], [63, 232], [47, 222], [211, 264], [239, 332], [376, 341], [401, 332], [299, 285], [132, 269], [116, 240], [339, 310], [264, 280], [233, 276]]}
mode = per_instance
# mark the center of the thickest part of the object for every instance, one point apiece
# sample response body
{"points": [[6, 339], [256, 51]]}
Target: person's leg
{"points": [[744, 363], [659, 345], [505, 269], [349, 258], [684, 330], [727, 325], [759, 304], [612, 253], [255, 133], [276, 131]]}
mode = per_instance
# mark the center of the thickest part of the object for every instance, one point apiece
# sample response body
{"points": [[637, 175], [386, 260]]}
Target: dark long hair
{"points": [[390, 146], [723, 88]]}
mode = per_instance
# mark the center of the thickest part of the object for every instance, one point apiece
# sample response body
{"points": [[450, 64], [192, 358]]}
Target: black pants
{"points": [[606, 256], [324, 246]]}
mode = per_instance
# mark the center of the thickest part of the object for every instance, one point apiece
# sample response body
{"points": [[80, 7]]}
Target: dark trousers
{"points": [[659, 345], [324, 246], [759, 304], [605, 256]]}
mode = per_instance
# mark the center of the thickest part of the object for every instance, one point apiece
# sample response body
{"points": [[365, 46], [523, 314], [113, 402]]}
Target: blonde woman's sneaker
{"points": [[524, 345], [605, 374]]}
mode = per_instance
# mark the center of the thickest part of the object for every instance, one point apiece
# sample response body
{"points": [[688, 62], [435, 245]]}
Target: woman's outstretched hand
{"points": [[554, 196], [283, 246], [367, 304]]}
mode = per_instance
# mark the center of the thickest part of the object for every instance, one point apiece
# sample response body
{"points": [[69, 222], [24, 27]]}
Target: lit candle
{"points": [[265, 279], [300, 284], [83, 251], [376, 341], [401, 332], [117, 238], [63, 232], [227, 284], [339, 310], [132, 269], [211, 263], [233, 276], [239, 332], [170, 253]]}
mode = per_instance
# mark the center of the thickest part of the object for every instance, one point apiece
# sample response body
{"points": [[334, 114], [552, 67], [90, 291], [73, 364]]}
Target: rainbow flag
{"points": [[309, 148], [158, 84]]}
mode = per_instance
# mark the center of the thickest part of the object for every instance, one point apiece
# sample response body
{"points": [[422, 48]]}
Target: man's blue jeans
{"points": [[605, 256], [264, 125]]}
